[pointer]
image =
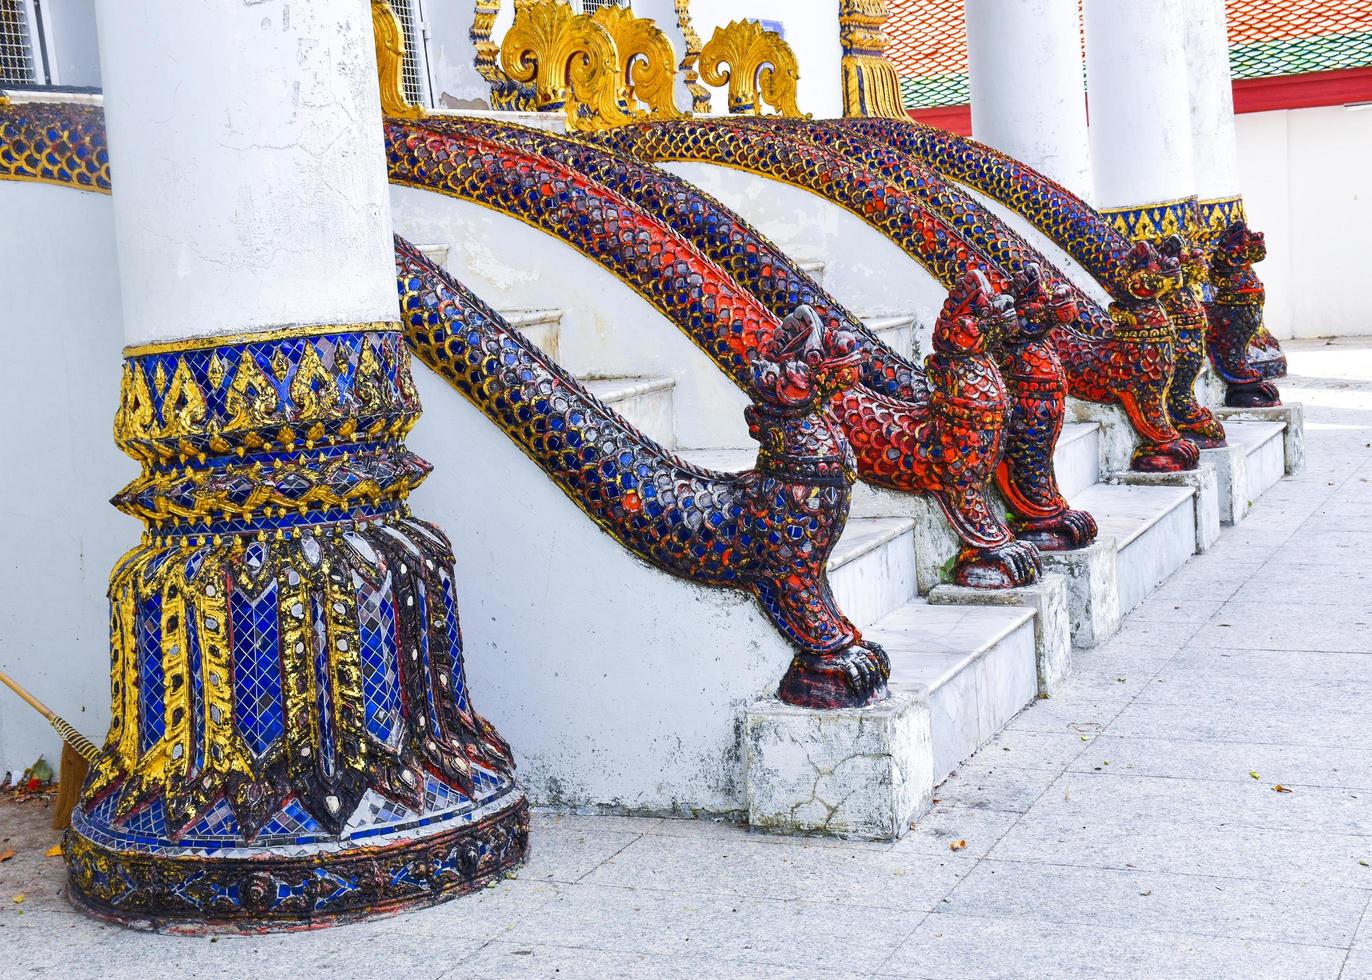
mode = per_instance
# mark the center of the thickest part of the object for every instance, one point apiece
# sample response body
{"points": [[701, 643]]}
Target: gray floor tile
{"points": [[987, 784], [962, 832], [1310, 914], [958, 946], [1290, 765], [531, 961]]}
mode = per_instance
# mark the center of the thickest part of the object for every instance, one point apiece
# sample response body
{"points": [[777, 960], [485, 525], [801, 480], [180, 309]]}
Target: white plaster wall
{"points": [[252, 191], [614, 682], [811, 29], [451, 54], [59, 388], [1305, 182], [70, 29]]}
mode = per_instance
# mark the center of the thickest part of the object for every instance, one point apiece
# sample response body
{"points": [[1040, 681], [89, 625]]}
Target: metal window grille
{"points": [[591, 6], [16, 43], [414, 71]]}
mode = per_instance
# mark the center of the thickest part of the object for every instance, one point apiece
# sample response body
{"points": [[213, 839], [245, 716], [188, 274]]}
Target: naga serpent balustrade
{"points": [[1129, 363], [1067, 220], [769, 530], [895, 443], [1027, 362]]}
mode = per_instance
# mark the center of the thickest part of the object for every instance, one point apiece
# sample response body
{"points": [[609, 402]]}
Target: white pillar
{"points": [[1140, 108], [251, 184], [1027, 94], [1213, 142]]}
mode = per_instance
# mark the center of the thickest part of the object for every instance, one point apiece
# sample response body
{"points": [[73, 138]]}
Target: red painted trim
{"points": [[1312, 89], [954, 118], [1316, 88]]}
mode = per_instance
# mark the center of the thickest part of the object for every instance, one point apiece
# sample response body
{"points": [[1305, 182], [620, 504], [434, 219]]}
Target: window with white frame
{"points": [[591, 6], [18, 27], [415, 72]]}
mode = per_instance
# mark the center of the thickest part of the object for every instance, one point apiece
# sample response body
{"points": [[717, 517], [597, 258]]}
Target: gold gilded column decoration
{"points": [[871, 86], [762, 69], [690, 59], [571, 61], [646, 60], [506, 94]]}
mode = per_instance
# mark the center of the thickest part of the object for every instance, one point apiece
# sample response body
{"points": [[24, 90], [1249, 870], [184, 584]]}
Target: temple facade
{"points": [[640, 408]]}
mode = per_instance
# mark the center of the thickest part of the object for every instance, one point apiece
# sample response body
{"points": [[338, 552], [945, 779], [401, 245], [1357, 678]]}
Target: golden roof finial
{"points": [[871, 86]]}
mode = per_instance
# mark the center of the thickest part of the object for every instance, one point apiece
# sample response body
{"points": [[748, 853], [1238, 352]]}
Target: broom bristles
{"points": [[70, 778]]}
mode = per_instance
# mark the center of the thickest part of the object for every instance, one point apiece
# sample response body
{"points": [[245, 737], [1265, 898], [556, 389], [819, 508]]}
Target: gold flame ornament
{"points": [[690, 76], [647, 61], [871, 86], [762, 69], [390, 63], [571, 61]]}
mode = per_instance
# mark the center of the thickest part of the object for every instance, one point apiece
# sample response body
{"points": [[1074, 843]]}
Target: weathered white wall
{"points": [[59, 388], [252, 192], [1304, 174], [70, 29], [451, 55]]}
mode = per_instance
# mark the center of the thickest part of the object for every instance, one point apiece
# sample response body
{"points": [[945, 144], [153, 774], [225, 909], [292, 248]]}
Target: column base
{"points": [[1049, 598], [284, 884], [852, 772], [1091, 575]]}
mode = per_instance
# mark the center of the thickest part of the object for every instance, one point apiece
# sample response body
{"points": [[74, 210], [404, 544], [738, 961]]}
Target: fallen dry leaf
{"points": [[1254, 773], [54, 851], [1279, 788], [957, 845], [6, 855], [19, 899]]}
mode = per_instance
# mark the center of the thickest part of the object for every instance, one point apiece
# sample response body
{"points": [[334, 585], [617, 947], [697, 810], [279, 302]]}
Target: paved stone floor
{"points": [[1129, 827]]}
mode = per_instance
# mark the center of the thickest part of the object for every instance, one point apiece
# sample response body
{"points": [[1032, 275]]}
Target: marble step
{"points": [[1154, 528], [815, 267], [1249, 466], [1076, 459], [646, 402], [542, 327], [895, 330], [975, 665]]}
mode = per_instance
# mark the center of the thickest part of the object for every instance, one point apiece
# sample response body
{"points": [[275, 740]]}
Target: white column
{"points": [[1213, 141], [1140, 108], [251, 179], [1027, 93]]}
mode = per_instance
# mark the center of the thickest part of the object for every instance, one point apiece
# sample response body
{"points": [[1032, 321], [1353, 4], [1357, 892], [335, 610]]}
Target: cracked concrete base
{"points": [[853, 772], [1293, 439], [1091, 576], [1231, 476], [1204, 480], [1048, 597]]}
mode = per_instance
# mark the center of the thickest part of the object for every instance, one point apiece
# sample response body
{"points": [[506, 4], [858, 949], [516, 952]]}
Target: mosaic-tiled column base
{"points": [[292, 741]]}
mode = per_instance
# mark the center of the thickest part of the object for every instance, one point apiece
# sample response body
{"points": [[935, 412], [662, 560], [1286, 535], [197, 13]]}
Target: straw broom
{"points": [[78, 752]]}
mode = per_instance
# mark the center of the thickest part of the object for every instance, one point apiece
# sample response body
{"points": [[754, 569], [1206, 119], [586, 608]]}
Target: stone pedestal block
{"points": [[1231, 479], [1091, 578], [1293, 438], [1052, 620], [1204, 481], [853, 772]]}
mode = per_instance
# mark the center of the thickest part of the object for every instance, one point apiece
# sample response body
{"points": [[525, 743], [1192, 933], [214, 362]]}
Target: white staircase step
{"points": [[1154, 528], [872, 568], [436, 253], [815, 268], [646, 402], [542, 327], [975, 664], [1076, 459], [895, 330]]}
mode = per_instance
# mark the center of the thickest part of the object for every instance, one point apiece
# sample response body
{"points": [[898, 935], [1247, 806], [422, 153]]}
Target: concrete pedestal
{"points": [[857, 772], [1293, 437], [1049, 598], [1204, 481], [1091, 577], [1117, 438]]}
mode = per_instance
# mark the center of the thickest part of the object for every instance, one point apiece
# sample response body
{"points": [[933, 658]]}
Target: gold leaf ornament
{"points": [[762, 69]]}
